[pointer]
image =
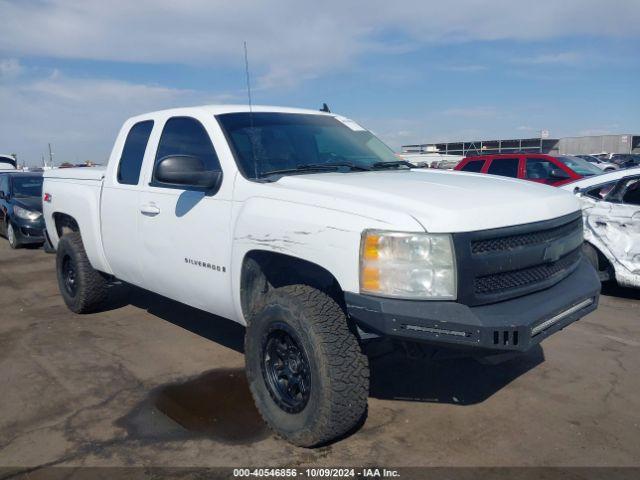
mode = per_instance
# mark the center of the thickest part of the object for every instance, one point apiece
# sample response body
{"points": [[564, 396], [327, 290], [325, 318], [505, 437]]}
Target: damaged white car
{"points": [[611, 210]]}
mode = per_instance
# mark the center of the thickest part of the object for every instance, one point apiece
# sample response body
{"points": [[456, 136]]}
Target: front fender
{"points": [[325, 237]]}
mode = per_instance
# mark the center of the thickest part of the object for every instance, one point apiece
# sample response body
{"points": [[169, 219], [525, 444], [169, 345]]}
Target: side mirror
{"points": [[2, 195], [559, 174], [186, 171]]}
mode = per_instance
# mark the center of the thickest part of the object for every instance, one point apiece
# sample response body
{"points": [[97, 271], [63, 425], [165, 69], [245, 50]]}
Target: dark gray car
{"points": [[21, 208]]}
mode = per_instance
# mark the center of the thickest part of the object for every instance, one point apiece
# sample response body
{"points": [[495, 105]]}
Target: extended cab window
{"points": [[187, 136], [133, 153], [473, 166], [505, 167]]}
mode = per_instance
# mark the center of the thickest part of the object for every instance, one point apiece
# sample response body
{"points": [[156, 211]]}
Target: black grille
{"points": [[503, 263], [514, 241], [500, 282]]}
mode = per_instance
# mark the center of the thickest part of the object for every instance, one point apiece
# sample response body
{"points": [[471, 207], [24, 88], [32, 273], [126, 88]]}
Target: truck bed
{"points": [[78, 173]]}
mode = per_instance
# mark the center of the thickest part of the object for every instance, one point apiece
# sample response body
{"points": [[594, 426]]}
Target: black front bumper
{"points": [[29, 231], [516, 324]]}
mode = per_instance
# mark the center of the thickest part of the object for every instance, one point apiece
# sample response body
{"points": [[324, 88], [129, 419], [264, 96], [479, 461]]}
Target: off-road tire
{"points": [[91, 290], [339, 371]]}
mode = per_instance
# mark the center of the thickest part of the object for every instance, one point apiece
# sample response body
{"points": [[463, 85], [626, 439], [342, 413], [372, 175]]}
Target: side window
{"points": [[4, 183], [506, 167], [599, 192], [473, 166], [631, 195], [539, 168], [187, 136], [133, 153]]}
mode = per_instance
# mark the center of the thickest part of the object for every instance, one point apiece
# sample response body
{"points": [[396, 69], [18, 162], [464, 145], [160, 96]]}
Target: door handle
{"points": [[149, 209]]}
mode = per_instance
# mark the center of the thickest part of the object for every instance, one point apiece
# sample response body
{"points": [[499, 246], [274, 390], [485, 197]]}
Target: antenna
{"points": [[246, 69], [252, 138]]}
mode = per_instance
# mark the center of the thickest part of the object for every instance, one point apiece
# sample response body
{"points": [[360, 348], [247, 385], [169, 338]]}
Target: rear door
{"points": [[505, 167], [186, 239], [120, 205]]}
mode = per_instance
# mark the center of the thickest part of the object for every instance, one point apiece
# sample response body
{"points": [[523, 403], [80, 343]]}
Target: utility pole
{"points": [[50, 156]]}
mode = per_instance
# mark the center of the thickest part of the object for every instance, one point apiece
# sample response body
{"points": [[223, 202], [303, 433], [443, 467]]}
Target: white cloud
{"points": [[558, 58], [290, 39], [79, 116]]}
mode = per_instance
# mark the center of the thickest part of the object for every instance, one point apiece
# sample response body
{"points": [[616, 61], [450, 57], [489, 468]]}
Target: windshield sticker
{"points": [[350, 123]]}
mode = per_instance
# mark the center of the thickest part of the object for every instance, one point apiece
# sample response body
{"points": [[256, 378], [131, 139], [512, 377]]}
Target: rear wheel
{"points": [[83, 288], [307, 373], [11, 236]]}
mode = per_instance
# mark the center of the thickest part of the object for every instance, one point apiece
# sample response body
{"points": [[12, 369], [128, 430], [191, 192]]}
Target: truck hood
{"points": [[441, 201]]}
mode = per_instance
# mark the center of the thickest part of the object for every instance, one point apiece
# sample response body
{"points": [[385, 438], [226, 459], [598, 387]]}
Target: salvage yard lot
{"points": [[152, 382]]}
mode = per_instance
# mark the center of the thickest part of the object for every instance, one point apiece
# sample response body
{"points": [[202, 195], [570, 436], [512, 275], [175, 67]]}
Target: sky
{"points": [[413, 71]]}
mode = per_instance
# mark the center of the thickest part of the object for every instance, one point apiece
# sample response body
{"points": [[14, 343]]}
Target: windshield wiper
{"points": [[349, 165], [315, 167], [392, 164]]}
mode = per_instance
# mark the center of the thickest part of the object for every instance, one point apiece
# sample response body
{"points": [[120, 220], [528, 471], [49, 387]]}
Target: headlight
{"points": [[407, 265], [25, 214]]}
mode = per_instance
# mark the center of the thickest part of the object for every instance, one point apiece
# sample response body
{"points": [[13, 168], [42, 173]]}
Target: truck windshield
{"points": [[580, 166], [288, 143], [27, 186]]}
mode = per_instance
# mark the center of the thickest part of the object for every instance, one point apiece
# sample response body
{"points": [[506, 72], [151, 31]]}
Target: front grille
{"points": [[514, 241], [31, 232], [503, 263], [500, 282]]}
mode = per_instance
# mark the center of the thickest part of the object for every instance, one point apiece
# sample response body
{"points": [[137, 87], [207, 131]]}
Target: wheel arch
{"points": [[263, 270]]}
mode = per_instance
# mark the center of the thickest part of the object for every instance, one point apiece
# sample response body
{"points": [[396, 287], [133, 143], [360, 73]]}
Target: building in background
{"points": [[623, 143]]}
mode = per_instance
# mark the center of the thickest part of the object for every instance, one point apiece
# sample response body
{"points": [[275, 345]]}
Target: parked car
{"points": [[307, 229], [7, 162], [611, 209], [598, 162], [535, 167], [21, 208], [625, 160]]}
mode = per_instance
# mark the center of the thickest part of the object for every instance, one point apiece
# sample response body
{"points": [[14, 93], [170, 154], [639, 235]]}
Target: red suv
{"points": [[531, 166]]}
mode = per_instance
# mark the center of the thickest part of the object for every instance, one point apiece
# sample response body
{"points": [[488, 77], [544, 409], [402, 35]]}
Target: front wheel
{"points": [[307, 373], [11, 236]]}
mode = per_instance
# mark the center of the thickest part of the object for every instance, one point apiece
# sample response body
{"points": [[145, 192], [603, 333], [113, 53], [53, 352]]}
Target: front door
{"points": [[185, 233]]}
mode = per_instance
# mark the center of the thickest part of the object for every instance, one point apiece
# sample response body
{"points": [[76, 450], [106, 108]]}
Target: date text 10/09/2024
{"points": [[317, 472]]}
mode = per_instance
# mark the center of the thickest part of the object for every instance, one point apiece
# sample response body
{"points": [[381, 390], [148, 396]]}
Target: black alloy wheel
{"points": [[69, 275], [285, 368]]}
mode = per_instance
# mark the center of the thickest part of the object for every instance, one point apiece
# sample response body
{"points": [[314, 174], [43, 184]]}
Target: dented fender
{"points": [[323, 236]]}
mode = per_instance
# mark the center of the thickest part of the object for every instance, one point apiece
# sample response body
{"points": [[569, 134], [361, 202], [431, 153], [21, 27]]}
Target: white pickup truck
{"points": [[307, 229]]}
